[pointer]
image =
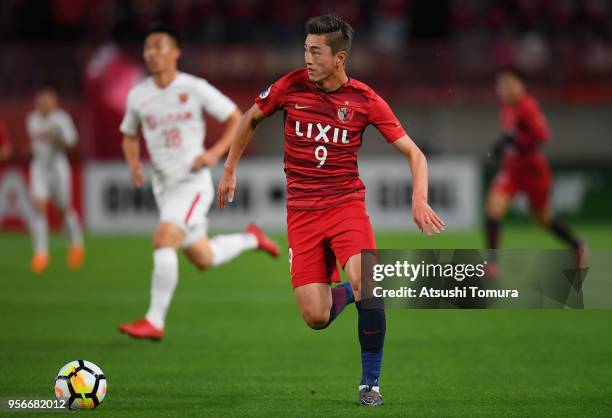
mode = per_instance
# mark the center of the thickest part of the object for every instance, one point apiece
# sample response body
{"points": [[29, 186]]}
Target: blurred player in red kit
{"points": [[524, 168], [326, 113]]}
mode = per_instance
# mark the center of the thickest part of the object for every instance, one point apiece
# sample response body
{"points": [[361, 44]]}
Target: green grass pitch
{"points": [[236, 346]]}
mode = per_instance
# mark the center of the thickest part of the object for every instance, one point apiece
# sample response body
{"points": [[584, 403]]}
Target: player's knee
{"points": [[492, 211], [495, 207], [40, 206], [161, 240], [541, 219], [158, 242], [63, 212], [316, 319]]}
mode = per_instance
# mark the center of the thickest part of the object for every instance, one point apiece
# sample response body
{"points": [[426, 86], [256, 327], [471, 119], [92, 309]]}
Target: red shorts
{"points": [[530, 175], [320, 239]]}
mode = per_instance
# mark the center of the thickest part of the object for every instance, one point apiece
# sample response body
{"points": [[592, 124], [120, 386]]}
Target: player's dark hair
{"points": [[47, 88], [159, 27], [338, 33], [513, 71]]}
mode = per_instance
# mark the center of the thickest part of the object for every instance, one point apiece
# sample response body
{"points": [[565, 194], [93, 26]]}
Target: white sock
{"points": [[73, 226], [163, 283], [226, 247], [40, 234], [374, 388]]}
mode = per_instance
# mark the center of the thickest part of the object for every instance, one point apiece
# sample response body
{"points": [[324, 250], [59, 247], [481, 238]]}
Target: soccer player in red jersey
{"points": [[326, 113], [524, 167]]}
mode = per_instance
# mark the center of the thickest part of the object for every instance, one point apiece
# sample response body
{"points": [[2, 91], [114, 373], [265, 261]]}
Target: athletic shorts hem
{"points": [[295, 283]]}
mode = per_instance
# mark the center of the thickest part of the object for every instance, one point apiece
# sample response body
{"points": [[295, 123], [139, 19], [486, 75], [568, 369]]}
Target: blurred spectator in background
{"points": [[6, 149], [108, 77], [263, 20]]}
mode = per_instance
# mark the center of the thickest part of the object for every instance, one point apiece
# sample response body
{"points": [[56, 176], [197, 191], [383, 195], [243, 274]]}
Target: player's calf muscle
{"points": [[353, 271], [200, 255], [542, 217], [202, 262]]}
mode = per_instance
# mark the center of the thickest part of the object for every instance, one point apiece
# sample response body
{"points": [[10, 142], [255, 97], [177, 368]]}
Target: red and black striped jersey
{"points": [[323, 132]]}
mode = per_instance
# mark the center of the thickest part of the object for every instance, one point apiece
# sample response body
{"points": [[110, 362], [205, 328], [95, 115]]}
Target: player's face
{"points": [[508, 88], [160, 53], [45, 101], [320, 62]]}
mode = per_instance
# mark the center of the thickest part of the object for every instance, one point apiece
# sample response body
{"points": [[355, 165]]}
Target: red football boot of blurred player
{"points": [[264, 243], [142, 329], [582, 256], [39, 263], [491, 270]]}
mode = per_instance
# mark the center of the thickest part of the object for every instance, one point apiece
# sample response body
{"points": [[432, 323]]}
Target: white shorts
{"points": [[186, 205], [51, 180]]}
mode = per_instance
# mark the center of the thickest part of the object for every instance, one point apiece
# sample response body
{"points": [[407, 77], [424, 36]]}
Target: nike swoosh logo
{"points": [[366, 332], [297, 106]]}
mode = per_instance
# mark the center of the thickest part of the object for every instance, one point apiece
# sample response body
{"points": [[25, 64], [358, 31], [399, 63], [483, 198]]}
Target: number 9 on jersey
{"points": [[321, 155]]}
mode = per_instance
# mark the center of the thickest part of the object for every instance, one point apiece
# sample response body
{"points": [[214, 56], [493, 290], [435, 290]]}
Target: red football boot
{"points": [[263, 242], [582, 256], [142, 329], [491, 271]]}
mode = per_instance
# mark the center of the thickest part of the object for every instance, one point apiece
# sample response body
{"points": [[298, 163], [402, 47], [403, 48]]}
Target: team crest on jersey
{"points": [[183, 97], [345, 114], [265, 93]]}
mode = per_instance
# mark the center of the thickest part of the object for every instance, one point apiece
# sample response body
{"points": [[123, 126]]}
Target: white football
{"points": [[81, 385]]}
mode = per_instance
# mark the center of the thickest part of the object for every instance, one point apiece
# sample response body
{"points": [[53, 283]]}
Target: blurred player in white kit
{"points": [[169, 107], [52, 134]]}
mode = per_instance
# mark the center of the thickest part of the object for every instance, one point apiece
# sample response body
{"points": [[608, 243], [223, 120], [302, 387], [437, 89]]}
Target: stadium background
{"points": [[434, 62]]}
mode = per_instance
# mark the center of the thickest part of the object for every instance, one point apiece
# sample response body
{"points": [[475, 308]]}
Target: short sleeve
{"points": [[67, 131], [131, 120], [273, 98], [30, 125], [382, 117], [215, 103]]}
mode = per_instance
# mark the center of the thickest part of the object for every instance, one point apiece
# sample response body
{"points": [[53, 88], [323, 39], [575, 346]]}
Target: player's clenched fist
{"points": [[425, 218], [227, 185]]}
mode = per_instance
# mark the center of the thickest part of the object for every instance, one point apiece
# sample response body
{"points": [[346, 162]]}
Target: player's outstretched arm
{"points": [[242, 137], [422, 214], [131, 150], [211, 157]]}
